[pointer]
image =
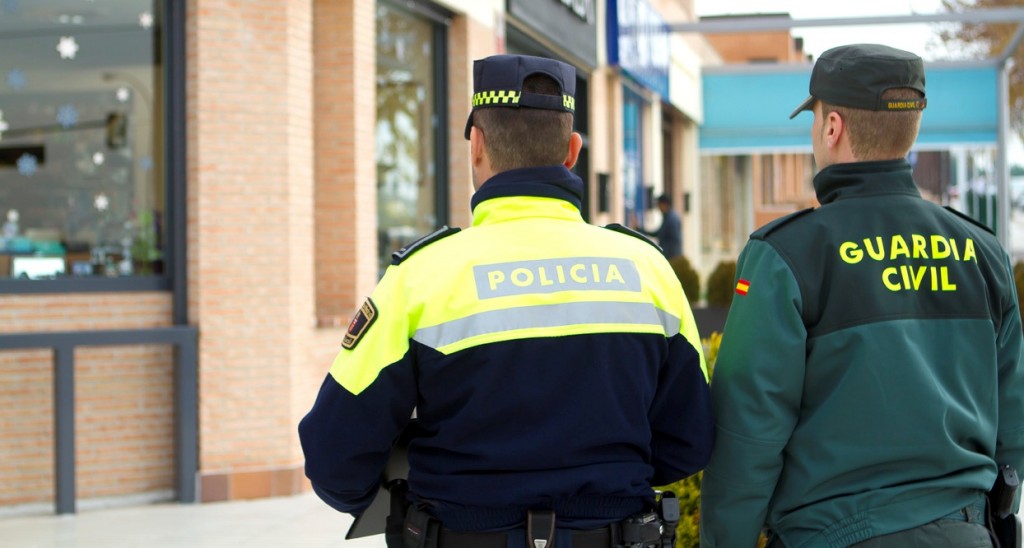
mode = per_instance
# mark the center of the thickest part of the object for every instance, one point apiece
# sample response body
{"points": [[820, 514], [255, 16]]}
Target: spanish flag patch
{"points": [[742, 287]]}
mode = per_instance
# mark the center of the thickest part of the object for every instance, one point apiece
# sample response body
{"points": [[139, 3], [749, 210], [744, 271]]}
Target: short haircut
{"points": [[665, 199], [880, 134], [526, 137]]}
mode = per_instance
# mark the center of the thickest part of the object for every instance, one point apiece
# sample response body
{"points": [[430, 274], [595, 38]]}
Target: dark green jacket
{"points": [[870, 375]]}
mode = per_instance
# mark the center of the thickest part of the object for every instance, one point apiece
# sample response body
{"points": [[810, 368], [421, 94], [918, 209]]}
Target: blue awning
{"points": [[746, 108]]}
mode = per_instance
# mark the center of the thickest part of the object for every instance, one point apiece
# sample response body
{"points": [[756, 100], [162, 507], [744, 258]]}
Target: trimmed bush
{"points": [[720, 284], [688, 277]]}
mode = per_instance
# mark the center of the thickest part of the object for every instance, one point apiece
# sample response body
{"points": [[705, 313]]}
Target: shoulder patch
{"points": [[970, 219], [404, 253], [360, 324], [629, 231], [763, 232]]}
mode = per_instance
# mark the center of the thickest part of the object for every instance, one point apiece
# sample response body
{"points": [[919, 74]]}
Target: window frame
{"points": [[171, 35], [441, 21]]}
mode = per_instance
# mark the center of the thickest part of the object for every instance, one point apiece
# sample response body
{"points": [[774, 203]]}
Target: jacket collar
{"points": [[839, 181], [562, 188], [545, 182]]}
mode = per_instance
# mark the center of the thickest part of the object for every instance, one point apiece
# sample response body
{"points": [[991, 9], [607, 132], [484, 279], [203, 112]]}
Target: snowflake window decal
{"points": [[123, 94], [146, 20], [28, 164], [67, 116], [101, 202], [67, 47], [16, 79]]}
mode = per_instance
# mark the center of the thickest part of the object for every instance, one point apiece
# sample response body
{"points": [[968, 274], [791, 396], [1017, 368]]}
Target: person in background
{"points": [[670, 233], [870, 378], [554, 367]]}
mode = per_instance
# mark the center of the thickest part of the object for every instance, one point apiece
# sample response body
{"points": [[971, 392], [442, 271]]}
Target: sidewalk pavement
{"points": [[301, 520]]}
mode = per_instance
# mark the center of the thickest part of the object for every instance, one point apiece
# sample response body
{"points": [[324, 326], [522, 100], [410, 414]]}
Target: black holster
{"points": [[419, 530], [395, 523], [1000, 519]]}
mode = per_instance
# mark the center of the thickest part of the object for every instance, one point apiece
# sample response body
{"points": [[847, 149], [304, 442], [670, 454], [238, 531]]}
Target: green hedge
{"points": [[720, 284], [688, 277]]}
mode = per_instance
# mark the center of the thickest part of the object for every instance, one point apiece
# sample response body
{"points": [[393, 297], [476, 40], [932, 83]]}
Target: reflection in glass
{"points": [[406, 208], [81, 139]]}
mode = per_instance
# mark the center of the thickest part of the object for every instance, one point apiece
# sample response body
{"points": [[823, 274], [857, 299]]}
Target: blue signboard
{"points": [[638, 42]]}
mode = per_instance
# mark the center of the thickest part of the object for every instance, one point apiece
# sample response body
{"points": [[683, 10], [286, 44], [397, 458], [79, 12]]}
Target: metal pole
{"points": [[64, 427], [1002, 209], [186, 413]]}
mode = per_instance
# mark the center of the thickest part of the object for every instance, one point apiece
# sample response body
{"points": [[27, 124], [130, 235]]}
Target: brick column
{"points": [[250, 234], [345, 55]]}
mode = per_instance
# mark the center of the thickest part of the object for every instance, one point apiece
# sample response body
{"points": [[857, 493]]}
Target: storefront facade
{"points": [[656, 95], [240, 171]]}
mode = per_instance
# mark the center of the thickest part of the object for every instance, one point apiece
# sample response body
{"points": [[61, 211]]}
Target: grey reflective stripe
{"points": [[551, 315], [559, 274]]}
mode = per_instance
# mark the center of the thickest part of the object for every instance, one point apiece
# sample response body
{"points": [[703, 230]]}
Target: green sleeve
{"points": [[755, 391], [1010, 436]]}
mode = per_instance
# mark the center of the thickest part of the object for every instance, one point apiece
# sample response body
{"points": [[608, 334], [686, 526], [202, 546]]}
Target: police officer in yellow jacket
{"points": [[554, 366]]}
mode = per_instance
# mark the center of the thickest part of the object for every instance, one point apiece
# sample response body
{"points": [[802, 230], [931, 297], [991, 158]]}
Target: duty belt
{"points": [[645, 530]]}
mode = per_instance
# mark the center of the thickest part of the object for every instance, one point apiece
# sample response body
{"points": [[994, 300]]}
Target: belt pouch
{"points": [[420, 530], [540, 529]]}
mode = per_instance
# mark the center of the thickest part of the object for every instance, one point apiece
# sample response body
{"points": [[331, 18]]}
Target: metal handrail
{"points": [[186, 397]]}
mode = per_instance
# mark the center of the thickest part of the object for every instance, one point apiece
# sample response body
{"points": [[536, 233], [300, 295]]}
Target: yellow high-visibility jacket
{"points": [[551, 363]]}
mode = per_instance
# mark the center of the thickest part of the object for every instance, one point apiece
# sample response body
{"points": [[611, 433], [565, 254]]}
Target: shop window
{"points": [[82, 185], [724, 181], [634, 193], [411, 135]]}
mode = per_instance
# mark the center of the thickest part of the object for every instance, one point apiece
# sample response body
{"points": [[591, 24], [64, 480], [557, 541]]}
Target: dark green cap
{"points": [[856, 75]]}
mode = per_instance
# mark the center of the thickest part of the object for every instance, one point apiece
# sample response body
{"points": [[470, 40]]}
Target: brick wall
{"points": [[281, 234], [123, 401], [345, 54], [250, 120]]}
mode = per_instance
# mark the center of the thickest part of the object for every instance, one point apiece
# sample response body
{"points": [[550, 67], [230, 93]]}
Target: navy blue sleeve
{"points": [[682, 423], [347, 438]]}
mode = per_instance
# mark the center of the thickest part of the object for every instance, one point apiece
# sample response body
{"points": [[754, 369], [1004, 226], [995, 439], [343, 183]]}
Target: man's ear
{"points": [[476, 145], [834, 128], [575, 146]]}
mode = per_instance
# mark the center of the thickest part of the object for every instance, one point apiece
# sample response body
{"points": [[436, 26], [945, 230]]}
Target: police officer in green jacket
{"points": [[870, 377]]}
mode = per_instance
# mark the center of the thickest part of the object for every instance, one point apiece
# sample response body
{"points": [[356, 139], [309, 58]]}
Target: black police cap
{"points": [[856, 75], [498, 82]]}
